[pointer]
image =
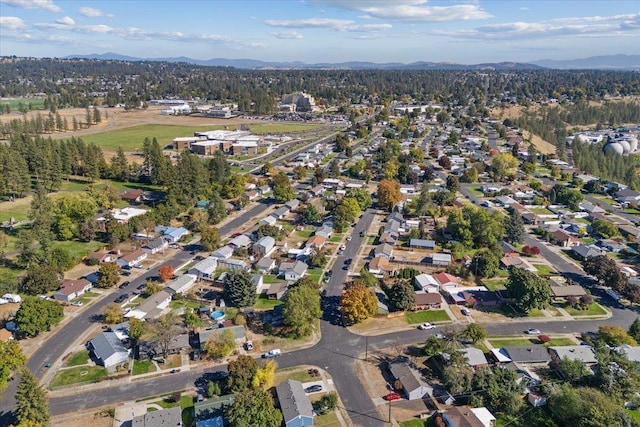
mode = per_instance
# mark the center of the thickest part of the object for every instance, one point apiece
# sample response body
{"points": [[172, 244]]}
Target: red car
{"points": [[392, 396]]}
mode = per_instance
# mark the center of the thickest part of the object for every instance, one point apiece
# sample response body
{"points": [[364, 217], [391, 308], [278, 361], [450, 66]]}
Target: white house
{"points": [[181, 284], [293, 270], [152, 307], [72, 289], [264, 246], [241, 241], [224, 252], [108, 349], [155, 246], [205, 269], [132, 258], [427, 283], [269, 220]]}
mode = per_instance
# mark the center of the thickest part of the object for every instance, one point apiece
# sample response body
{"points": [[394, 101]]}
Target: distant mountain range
{"points": [[612, 62]]}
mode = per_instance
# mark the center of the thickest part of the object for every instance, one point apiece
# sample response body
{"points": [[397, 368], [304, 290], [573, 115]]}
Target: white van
{"points": [[272, 353]]}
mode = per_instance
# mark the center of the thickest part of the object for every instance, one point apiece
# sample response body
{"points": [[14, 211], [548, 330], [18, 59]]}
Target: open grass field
{"points": [[80, 374], [544, 269], [131, 139], [14, 104], [415, 317], [413, 423]]}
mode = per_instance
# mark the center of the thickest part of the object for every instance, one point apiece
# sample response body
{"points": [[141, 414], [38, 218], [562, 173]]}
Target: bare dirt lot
{"points": [[94, 419]]}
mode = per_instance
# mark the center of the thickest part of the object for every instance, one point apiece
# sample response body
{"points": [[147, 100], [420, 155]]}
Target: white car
{"points": [[426, 326], [77, 304], [466, 312], [348, 238], [533, 331]]}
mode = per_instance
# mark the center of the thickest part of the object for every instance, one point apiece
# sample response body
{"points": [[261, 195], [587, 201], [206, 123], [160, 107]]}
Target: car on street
{"points": [[121, 298], [272, 353], [362, 234], [348, 261], [533, 331], [124, 284], [466, 312], [426, 326], [392, 396], [343, 248], [340, 252], [345, 267], [313, 389], [348, 238]]}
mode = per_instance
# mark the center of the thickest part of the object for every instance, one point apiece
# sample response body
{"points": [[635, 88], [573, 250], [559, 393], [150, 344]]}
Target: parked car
{"points": [[466, 312], [348, 238], [124, 284], [121, 298], [533, 331], [141, 287], [348, 261], [272, 353], [426, 326], [392, 396], [248, 346], [77, 304], [313, 389]]}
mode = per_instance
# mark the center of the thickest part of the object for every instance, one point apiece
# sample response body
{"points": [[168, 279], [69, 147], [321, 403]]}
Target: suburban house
{"points": [[384, 250], [72, 289], [152, 307], [527, 355], [427, 300], [294, 404], [508, 249], [426, 282], [380, 266], [241, 241], [172, 234], [102, 257], [264, 246], [412, 385], [564, 239], [293, 204], [631, 353], [464, 416], [266, 265], [475, 357], [224, 252], [316, 241], [516, 262], [293, 271], [276, 290], [324, 231], [628, 196], [155, 246], [108, 350], [583, 251], [181, 284], [132, 196], [281, 212], [566, 291], [205, 269], [441, 259], [171, 417], [422, 244], [132, 259], [446, 280], [269, 220], [233, 264], [582, 353], [206, 334], [390, 237], [212, 409]]}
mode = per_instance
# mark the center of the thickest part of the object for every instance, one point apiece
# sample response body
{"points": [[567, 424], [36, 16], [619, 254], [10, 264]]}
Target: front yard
{"points": [[594, 309], [80, 374], [415, 317], [544, 270], [264, 303], [143, 367], [77, 359]]}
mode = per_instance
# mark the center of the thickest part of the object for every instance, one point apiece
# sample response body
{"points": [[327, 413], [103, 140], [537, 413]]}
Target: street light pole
{"points": [[366, 346], [389, 412]]}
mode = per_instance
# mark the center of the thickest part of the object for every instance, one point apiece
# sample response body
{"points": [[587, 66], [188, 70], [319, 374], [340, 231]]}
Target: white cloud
{"points": [[12, 23], [90, 12], [292, 34], [334, 24], [33, 4], [67, 20], [411, 10]]}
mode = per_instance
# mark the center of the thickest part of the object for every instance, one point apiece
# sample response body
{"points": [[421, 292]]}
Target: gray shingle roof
{"points": [[106, 345], [528, 354], [294, 402], [171, 417]]}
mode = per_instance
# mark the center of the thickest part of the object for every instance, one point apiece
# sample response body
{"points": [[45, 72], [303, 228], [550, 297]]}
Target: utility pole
{"points": [[366, 347]]}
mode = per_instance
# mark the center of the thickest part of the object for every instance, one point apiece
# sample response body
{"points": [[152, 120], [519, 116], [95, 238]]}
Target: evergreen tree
{"points": [[32, 402], [514, 228]]}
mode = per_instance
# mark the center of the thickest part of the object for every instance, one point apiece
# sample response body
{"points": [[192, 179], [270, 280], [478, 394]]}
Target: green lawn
{"points": [[634, 414], [414, 317], [510, 311], [184, 303], [412, 423], [295, 374], [18, 211], [336, 238], [315, 274], [78, 250], [475, 191], [14, 104], [143, 367], [540, 211], [330, 419], [270, 278], [544, 269], [631, 211], [266, 128], [371, 240], [9, 279], [305, 234], [80, 374], [264, 303], [594, 309], [494, 285], [502, 342], [79, 358], [556, 342], [131, 139], [186, 403]]}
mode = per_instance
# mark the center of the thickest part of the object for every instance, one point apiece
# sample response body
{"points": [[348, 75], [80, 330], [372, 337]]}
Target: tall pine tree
{"points": [[32, 403]]}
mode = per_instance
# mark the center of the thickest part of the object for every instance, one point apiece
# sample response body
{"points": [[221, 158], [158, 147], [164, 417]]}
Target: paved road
{"points": [[56, 346]]}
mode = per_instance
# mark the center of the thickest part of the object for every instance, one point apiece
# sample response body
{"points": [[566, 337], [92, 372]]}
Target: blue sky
{"points": [[323, 30]]}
